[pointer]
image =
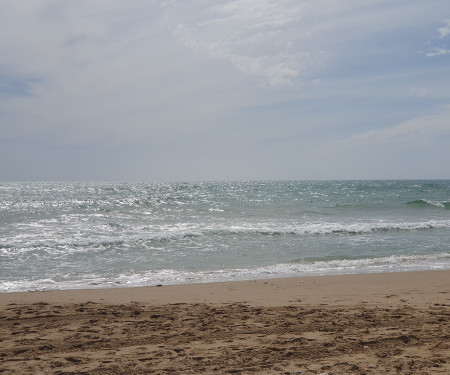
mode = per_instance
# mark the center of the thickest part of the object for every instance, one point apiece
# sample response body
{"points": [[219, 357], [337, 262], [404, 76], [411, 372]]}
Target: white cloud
{"points": [[418, 129], [255, 36], [444, 31], [439, 52], [105, 71]]}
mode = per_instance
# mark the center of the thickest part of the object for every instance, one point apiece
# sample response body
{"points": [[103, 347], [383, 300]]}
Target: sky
{"points": [[189, 90]]}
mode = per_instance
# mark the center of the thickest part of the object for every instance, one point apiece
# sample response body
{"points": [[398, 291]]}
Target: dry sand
{"points": [[395, 323]]}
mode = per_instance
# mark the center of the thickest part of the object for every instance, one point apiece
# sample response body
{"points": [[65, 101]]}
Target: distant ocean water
{"points": [[99, 235]]}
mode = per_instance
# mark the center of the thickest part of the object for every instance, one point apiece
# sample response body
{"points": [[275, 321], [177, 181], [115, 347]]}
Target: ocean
{"points": [[102, 234]]}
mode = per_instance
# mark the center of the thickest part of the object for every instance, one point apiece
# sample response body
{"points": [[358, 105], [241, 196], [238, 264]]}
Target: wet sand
{"points": [[392, 323]]}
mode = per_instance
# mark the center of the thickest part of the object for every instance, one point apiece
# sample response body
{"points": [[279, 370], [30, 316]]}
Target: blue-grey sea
{"points": [[103, 234]]}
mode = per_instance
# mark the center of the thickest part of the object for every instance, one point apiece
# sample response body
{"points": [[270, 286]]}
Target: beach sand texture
{"points": [[395, 323]]}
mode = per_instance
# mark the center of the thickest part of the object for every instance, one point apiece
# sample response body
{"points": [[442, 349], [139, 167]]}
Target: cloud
{"points": [[433, 126], [439, 52], [102, 72], [255, 37], [285, 43], [444, 31]]}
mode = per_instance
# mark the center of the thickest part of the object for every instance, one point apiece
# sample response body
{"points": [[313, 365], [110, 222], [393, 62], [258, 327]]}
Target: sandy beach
{"points": [[391, 323]]}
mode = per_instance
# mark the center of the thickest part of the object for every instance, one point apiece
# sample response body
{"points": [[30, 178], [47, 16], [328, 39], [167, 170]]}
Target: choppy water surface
{"points": [[94, 235]]}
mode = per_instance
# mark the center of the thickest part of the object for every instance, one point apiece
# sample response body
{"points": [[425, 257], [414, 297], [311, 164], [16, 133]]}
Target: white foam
{"points": [[170, 276]]}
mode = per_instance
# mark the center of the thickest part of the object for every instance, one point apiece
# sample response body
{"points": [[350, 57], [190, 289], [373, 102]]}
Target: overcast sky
{"points": [[182, 90]]}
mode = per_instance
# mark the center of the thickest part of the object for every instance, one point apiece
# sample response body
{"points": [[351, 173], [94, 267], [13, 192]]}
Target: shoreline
{"points": [[346, 324], [370, 288]]}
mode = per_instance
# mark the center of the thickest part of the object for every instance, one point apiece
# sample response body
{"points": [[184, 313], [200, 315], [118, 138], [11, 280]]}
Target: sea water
{"points": [[102, 234]]}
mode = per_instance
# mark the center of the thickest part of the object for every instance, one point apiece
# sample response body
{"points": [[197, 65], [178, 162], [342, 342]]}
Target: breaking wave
{"points": [[425, 203]]}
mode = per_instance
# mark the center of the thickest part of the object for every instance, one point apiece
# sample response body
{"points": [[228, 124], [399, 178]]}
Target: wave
{"points": [[142, 237], [180, 232], [325, 228], [338, 262], [296, 268], [425, 203]]}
